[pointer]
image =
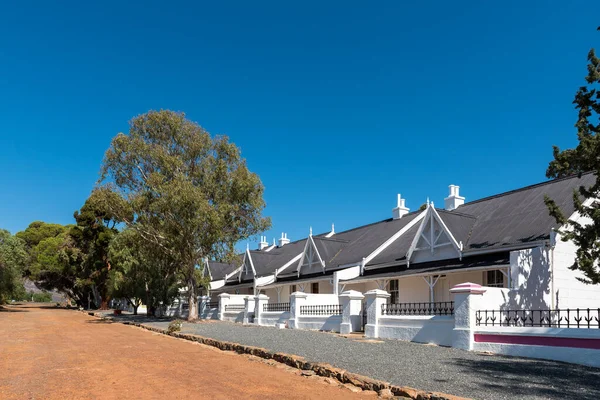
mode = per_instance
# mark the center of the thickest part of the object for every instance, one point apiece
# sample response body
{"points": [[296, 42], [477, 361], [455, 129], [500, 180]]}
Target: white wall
{"points": [[413, 289], [272, 318], [585, 356], [321, 323], [436, 329], [568, 291]]}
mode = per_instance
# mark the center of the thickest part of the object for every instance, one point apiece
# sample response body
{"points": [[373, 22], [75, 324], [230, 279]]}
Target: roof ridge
{"points": [[331, 239], [453, 212], [549, 182]]}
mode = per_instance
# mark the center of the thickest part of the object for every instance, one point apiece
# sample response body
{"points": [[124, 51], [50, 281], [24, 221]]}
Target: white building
{"points": [[506, 240]]}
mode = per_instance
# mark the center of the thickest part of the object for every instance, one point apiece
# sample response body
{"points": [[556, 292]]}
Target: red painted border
{"points": [[539, 341]]}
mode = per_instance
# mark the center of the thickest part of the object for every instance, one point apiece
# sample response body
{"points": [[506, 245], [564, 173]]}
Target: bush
{"points": [[175, 326], [43, 297]]}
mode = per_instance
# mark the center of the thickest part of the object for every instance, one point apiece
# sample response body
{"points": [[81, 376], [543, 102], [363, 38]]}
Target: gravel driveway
{"points": [[424, 367]]}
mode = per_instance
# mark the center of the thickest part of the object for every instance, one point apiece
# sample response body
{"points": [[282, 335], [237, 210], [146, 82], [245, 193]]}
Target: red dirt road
{"points": [[50, 353]]}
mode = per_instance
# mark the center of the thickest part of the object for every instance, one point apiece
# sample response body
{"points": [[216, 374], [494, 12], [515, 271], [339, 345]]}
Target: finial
{"points": [[332, 228], [427, 201], [247, 246], [310, 231]]}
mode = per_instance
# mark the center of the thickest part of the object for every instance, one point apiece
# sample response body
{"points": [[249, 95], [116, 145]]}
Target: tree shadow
{"points": [[11, 309], [526, 377], [99, 321]]}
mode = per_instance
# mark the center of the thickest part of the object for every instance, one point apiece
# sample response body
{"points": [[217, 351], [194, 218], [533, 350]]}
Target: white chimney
{"points": [[283, 240], [454, 199], [263, 243], [400, 209]]}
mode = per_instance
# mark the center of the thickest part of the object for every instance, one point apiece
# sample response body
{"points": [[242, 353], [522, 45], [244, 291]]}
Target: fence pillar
{"points": [[375, 299], [296, 300], [467, 299], [248, 310], [223, 301], [259, 302], [203, 306], [351, 302]]}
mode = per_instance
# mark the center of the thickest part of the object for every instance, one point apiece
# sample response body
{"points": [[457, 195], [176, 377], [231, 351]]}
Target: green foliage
{"points": [[139, 271], [175, 326], [583, 158], [43, 297], [13, 258], [184, 192]]}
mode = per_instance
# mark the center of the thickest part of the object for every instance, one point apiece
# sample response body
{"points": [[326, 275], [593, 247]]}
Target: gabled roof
{"points": [[218, 270], [519, 216]]}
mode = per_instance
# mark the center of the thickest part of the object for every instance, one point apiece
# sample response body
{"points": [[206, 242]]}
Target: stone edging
{"points": [[321, 369]]}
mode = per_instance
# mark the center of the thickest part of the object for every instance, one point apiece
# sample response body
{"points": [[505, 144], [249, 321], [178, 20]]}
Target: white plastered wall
{"points": [[569, 292]]}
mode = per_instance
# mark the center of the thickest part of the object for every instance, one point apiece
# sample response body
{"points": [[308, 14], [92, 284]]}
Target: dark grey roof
{"points": [[266, 262], [218, 270], [519, 216], [362, 241]]}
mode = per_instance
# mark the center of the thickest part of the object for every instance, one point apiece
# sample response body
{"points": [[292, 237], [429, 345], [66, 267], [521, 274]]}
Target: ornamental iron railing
{"points": [[546, 318], [212, 304], [276, 307], [328, 309], [438, 308], [235, 307]]}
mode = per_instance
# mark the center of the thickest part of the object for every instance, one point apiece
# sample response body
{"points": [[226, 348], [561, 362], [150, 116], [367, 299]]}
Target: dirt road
{"points": [[50, 353]]}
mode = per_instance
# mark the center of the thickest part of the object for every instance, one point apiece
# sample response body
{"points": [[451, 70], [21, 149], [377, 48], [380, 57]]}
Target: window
{"points": [[250, 290], [314, 287], [292, 288], [394, 291], [494, 278]]}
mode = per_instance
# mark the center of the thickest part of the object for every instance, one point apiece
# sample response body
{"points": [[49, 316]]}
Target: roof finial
{"points": [[427, 201], [273, 241], [247, 246], [332, 227], [310, 231]]}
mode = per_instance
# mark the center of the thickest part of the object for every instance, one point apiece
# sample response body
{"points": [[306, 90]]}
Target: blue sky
{"points": [[337, 106]]}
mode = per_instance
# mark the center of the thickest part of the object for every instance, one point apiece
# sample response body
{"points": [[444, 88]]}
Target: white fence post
{"points": [[375, 299], [248, 309], [259, 301], [296, 300], [467, 299], [351, 302], [223, 301]]}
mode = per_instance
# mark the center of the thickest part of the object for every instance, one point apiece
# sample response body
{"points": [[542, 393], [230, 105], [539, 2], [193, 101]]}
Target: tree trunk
{"points": [[192, 298], [135, 307]]}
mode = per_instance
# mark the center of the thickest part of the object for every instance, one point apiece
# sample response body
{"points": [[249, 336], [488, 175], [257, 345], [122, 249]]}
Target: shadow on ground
{"points": [[547, 379]]}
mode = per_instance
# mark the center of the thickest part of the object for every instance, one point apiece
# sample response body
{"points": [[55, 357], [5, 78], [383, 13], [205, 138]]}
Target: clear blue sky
{"points": [[337, 106]]}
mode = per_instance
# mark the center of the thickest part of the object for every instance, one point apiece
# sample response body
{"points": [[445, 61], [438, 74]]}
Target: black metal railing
{"points": [[438, 308], [212, 304], [548, 318], [235, 307], [328, 309], [276, 307]]}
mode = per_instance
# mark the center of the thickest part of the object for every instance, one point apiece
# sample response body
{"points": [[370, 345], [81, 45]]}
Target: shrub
{"points": [[43, 297], [175, 326]]}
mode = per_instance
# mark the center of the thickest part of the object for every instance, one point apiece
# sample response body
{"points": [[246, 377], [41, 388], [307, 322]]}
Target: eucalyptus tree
{"points": [[184, 191], [584, 157], [13, 258]]}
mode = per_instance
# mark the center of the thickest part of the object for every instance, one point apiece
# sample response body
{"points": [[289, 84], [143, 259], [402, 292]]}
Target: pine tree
{"points": [[583, 158]]}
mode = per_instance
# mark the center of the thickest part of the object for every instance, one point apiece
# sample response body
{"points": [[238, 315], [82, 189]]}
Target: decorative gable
{"points": [[311, 261], [433, 240], [247, 270]]}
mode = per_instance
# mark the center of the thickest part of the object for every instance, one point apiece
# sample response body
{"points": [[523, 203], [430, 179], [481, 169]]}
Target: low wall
{"points": [[210, 313], [435, 329], [574, 345], [233, 316], [272, 318], [322, 323]]}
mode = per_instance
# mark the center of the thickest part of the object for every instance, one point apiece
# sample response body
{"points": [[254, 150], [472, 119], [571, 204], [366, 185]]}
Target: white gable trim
{"points": [[310, 242], [286, 265], [207, 268], [391, 240], [431, 217], [247, 257]]}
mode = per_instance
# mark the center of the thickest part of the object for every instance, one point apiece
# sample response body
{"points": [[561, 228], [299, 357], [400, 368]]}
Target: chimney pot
{"points": [[263, 243], [283, 240], [454, 200], [400, 209]]}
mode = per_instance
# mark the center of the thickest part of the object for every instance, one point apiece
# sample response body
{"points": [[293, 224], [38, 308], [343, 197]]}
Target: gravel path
{"points": [[424, 367]]}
